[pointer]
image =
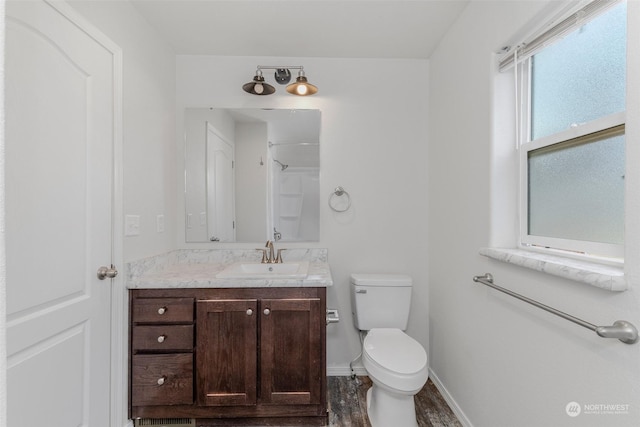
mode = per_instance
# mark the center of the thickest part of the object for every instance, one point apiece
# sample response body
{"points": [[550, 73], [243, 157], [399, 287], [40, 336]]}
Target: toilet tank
{"points": [[380, 300]]}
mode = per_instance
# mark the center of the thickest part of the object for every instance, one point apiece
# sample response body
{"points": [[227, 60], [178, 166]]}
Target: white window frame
{"points": [[574, 248], [615, 251]]}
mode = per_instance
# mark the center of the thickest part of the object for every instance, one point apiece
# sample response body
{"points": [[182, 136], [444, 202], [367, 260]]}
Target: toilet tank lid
{"points": [[365, 279]]}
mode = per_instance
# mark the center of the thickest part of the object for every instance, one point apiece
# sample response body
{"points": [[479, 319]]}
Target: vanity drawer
{"points": [[162, 310], [162, 379], [162, 337]]}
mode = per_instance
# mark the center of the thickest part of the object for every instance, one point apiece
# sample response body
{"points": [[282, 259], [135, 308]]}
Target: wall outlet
{"points": [[160, 223], [132, 225]]}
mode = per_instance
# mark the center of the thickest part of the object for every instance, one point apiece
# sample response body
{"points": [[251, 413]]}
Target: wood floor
{"points": [[347, 408], [348, 404]]}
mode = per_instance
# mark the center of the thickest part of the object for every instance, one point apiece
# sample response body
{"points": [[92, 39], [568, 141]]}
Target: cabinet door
{"points": [[291, 351], [226, 348]]}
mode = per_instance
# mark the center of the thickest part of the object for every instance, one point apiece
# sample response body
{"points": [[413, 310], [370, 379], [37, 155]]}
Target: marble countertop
{"points": [[198, 269], [603, 276]]}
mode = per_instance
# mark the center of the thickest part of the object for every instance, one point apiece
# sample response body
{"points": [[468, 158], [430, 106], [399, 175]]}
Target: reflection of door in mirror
{"points": [[267, 146], [220, 200]]}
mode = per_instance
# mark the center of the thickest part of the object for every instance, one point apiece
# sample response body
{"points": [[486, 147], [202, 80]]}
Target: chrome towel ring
{"points": [[335, 200]]}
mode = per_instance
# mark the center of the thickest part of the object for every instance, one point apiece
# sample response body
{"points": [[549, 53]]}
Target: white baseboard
{"points": [[345, 371], [449, 399]]}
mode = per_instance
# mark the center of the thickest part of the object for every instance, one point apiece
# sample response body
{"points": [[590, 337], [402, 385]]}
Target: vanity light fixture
{"points": [[258, 85], [282, 75]]}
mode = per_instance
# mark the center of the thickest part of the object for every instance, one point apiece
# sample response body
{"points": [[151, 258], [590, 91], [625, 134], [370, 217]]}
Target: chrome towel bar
{"points": [[621, 329]]}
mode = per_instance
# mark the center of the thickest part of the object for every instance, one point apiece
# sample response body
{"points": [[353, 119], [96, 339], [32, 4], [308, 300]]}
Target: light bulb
{"points": [[301, 89], [258, 88]]}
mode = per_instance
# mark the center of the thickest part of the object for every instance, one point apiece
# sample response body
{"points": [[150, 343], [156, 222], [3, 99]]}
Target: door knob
{"points": [[107, 272], [267, 311]]}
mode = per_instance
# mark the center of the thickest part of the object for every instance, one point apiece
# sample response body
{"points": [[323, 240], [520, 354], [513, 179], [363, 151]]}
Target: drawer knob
{"points": [[249, 312], [161, 338], [161, 380], [266, 311], [162, 310]]}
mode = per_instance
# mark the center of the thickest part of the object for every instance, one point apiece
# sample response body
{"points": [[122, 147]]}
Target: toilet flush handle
{"points": [[361, 291]]}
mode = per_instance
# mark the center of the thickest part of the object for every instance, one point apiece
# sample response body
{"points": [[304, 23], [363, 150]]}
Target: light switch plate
{"points": [[160, 223], [132, 225]]}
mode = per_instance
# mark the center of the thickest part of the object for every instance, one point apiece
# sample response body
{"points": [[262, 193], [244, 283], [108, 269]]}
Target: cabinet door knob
{"points": [[161, 380], [249, 312], [162, 310], [161, 338], [266, 311]]}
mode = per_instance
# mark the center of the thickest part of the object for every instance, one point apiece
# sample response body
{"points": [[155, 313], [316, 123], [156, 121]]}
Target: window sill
{"points": [[602, 276]]}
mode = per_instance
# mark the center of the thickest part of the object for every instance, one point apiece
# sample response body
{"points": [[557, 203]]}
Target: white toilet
{"points": [[395, 362]]}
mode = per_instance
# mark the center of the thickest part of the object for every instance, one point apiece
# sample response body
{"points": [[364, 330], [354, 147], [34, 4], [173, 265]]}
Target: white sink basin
{"points": [[251, 270]]}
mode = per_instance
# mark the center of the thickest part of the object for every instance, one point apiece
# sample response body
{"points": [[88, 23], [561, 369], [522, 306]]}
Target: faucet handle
{"points": [[264, 255], [279, 257]]}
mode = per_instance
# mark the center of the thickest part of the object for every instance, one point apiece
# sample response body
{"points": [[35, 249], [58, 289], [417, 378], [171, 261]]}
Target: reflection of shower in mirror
{"points": [[283, 166], [253, 198]]}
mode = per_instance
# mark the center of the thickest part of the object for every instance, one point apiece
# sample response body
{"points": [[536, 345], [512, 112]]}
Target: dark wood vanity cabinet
{"points": [[161, 364], [242, 353]]}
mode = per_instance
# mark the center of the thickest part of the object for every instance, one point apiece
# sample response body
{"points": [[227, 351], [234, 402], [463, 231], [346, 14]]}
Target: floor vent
{"points": [[165, 422]]}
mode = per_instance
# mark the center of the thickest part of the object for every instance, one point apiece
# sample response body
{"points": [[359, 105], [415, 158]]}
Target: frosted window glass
{"points": [[576, 191], [581, 77]]}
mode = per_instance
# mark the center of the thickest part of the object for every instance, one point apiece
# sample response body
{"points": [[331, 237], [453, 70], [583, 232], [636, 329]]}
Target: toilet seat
{"points": [[395, 359]]}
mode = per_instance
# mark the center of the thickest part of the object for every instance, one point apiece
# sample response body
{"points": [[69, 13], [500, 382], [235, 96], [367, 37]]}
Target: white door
{"points": [[59, 177], [220, 187]]}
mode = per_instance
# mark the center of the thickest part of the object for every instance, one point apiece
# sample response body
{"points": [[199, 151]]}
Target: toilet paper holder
{"points": [[332, 315]]}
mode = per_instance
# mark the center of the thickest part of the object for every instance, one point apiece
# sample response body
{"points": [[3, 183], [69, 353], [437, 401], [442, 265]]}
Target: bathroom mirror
{"points": [[252, 175]]}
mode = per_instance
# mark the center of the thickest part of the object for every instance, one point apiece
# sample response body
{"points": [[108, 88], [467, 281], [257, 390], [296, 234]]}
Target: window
{"points": [[571, 86]]}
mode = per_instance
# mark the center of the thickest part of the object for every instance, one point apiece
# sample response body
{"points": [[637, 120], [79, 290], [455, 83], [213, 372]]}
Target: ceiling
{"points": [[302, 28]]}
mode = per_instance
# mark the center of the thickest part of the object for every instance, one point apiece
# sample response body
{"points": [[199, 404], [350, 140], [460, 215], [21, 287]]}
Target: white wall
{"points": [[506, 363], [3, 254], [372, 142], [149, 123]]}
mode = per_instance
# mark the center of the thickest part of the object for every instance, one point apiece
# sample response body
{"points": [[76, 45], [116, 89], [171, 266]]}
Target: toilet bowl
{"points": [[397, 366], [395, 362]]}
